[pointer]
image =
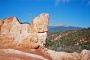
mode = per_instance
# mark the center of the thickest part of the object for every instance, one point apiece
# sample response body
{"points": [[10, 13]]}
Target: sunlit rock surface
{"points": [[23, 41], [20, 35]]}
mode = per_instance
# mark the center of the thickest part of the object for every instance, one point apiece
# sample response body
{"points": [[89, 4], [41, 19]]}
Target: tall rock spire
{"points": [[40, 23]]}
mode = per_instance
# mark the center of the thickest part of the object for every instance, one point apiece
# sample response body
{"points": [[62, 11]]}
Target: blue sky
{"points": [[66, 12]]}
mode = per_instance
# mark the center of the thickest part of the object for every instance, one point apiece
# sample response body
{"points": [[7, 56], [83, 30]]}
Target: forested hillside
{"points": [[70, 40]]}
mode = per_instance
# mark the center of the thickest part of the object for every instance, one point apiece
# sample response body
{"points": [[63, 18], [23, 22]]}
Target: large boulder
{"points": [[63, 55], [85, 55]]}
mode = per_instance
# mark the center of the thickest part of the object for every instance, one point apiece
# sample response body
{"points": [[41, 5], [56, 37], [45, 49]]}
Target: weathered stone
{"points": [[40, 23], [15, 35], [25, 35], [40, 26], [24, 28], [10, 26], [42, 37], [1, 23], [85, 55], [63, 55]]}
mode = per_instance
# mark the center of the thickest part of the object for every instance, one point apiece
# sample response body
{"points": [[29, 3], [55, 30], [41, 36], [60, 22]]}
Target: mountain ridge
{"points": [[62, 28]]}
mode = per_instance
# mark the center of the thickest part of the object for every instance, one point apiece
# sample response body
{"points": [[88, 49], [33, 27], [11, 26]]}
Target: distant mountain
{"points": [[62, 28]]}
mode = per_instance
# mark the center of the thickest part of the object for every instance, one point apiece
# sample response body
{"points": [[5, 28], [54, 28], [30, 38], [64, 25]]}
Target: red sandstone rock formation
{"points": [[15, 34], [23, 38]]}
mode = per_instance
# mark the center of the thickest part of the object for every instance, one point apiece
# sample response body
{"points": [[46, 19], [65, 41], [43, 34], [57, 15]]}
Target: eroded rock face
{"points": [[30, 35], [40, 23]]}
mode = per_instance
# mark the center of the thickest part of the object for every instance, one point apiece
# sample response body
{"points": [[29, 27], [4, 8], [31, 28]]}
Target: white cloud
{"points": [[57, 2]]}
